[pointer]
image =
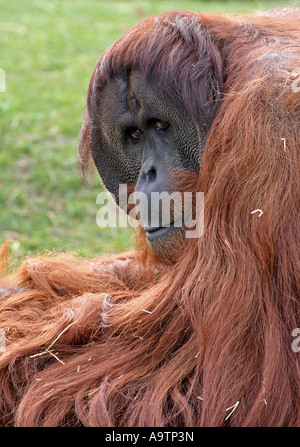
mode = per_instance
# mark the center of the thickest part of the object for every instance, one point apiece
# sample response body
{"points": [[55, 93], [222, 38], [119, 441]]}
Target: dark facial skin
{"points": [[143, 141]]}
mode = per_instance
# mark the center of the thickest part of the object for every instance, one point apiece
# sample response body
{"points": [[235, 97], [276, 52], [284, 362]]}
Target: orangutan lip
{"points": [[152, 233]]}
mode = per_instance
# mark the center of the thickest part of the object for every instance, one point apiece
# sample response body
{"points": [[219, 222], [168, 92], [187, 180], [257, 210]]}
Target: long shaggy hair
{"points": [[206, 341]]}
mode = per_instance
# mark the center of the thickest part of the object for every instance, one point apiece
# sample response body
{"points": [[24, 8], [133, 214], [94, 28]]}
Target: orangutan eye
{"points": [[163, 125], [135, 133]]}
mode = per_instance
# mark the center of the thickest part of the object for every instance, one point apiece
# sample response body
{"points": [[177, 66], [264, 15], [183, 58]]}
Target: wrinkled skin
{"points": [[142, 141]]}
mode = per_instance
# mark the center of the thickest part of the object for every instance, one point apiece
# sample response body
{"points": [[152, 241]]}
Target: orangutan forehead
{"points": [[130, 93], [133, 92], [135, 98]]}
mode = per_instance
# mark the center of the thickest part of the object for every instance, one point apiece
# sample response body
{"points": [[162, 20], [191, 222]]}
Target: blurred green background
{"points": [[48, 51]]}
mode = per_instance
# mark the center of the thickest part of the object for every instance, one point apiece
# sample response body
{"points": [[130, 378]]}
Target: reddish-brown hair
{"points": [[115, 342]]}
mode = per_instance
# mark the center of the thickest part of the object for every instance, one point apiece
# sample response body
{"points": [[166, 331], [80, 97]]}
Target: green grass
{"points": [[48, 51]]}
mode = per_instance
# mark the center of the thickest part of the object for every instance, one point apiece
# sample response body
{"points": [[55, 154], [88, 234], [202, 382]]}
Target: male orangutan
{"points": [[182, 331]]}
